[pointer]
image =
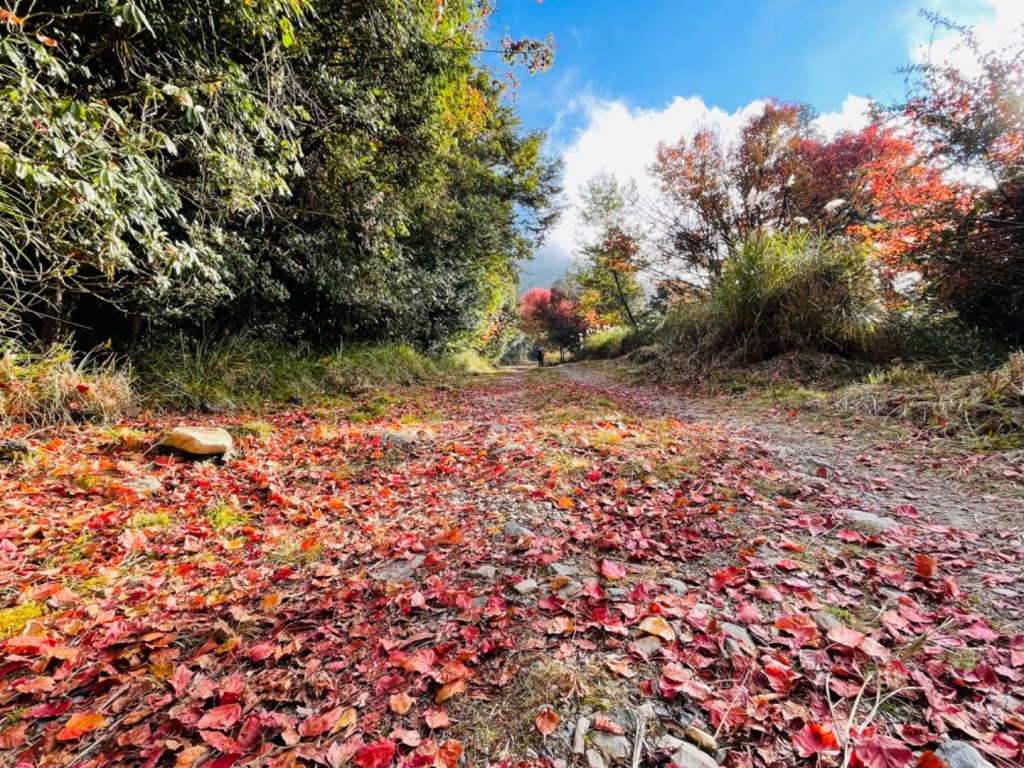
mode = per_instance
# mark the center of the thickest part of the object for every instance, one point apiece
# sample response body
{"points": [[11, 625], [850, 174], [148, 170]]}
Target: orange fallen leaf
{"points": [[546, 721], [449, 690], [657, 626], [81, 724], [400, 703]]}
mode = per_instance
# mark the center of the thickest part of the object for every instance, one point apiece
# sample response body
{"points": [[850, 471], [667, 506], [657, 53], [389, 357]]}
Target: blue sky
{"points": [[628, 73]]}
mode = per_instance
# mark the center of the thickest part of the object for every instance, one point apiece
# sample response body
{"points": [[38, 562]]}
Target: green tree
{"points": [[610, 257]]}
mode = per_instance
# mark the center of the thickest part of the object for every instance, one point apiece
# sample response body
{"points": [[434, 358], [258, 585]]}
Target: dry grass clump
{"points": [[52, 387], [987, 406]]}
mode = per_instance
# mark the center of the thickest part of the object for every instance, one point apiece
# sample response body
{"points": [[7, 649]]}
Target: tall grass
{"points": [[55, 387]]}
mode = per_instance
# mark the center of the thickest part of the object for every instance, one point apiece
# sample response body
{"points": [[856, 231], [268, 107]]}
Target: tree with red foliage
{"points": [[550, 315], [971, 119], [780, 174]]}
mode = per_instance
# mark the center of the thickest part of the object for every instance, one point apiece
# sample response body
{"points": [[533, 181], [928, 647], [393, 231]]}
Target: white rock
{"points": [[526, 586], [579, 737], [688, 756], [199, 441], [959, 754]]}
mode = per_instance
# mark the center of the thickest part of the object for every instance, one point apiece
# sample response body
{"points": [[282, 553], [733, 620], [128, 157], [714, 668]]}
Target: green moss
{"points": [[223, 514], [151, 520], [14, 618]]}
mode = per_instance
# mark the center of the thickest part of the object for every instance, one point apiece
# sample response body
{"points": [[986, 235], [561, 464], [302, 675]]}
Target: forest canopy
{"points": [[320, 171]]}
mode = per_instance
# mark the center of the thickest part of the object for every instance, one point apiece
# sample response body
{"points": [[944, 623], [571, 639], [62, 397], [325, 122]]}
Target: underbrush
{"points": [[610, 343], [58, 387], [986, 407], [53, 386], [241, 372]]}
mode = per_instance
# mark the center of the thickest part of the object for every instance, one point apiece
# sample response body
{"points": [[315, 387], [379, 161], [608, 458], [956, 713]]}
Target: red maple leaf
{"points": [[814, 739], [881, 752], [377, 754]]}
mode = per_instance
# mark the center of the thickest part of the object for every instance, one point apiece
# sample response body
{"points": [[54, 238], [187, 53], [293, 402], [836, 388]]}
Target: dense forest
{"points": [[302, 172]]}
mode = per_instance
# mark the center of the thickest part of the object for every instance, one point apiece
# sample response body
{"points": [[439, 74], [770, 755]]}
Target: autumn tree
{"points": [[780, 174], [970, 118], [552, 316], [611, 252]]}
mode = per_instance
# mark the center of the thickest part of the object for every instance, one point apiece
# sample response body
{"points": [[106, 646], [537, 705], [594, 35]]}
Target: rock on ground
{"points": [[199, 441], [959, 754]]}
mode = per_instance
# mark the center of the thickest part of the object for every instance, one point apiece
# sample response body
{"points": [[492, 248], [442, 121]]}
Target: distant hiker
{"points": [[538, 355]]}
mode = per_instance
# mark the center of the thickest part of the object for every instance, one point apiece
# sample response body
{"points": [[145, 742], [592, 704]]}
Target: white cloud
{"points": [[996, 23], [622, 141]]}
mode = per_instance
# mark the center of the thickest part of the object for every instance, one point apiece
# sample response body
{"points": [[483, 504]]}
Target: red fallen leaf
{"points": [[843, 635], [788, 565], [82, 387], [546, 721], [924, 566], [80, 724], [400, 703], [979, 630], [377, 754], [448, 755], [928, 759], [220, 718], [50, 709], [881, 752], [800, 625], [814, 739], [436, 719], [594, 475], [612, 570], [605, 723], [780, 676], [768, 593], [315, 725], [746, 612]]}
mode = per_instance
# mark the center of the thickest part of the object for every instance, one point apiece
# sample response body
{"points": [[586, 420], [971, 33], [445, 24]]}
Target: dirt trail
{"points": [[849, 460], [526, 570]]}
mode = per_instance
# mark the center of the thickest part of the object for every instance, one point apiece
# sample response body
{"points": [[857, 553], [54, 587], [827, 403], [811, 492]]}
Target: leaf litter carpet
{"points": [[525, 570]]}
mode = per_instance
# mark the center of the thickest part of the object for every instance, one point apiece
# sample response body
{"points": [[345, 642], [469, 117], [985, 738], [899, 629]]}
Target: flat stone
{"points": [[199, 441], [625, 717], [526, 586], [562, 569], [579, 736], [594, 759], [648, 645], [688, 756], [668, 743], [394, 438], [570, 589], [397, 570], [677, 586], [960, 754], [869, 518], [517, 531], [612, 744], [486, 572], [742, 638], [825, 620]]}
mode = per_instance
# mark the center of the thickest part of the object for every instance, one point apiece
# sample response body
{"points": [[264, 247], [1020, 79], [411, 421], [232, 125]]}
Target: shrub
{"points": [[789, 292], [613, 342]]}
